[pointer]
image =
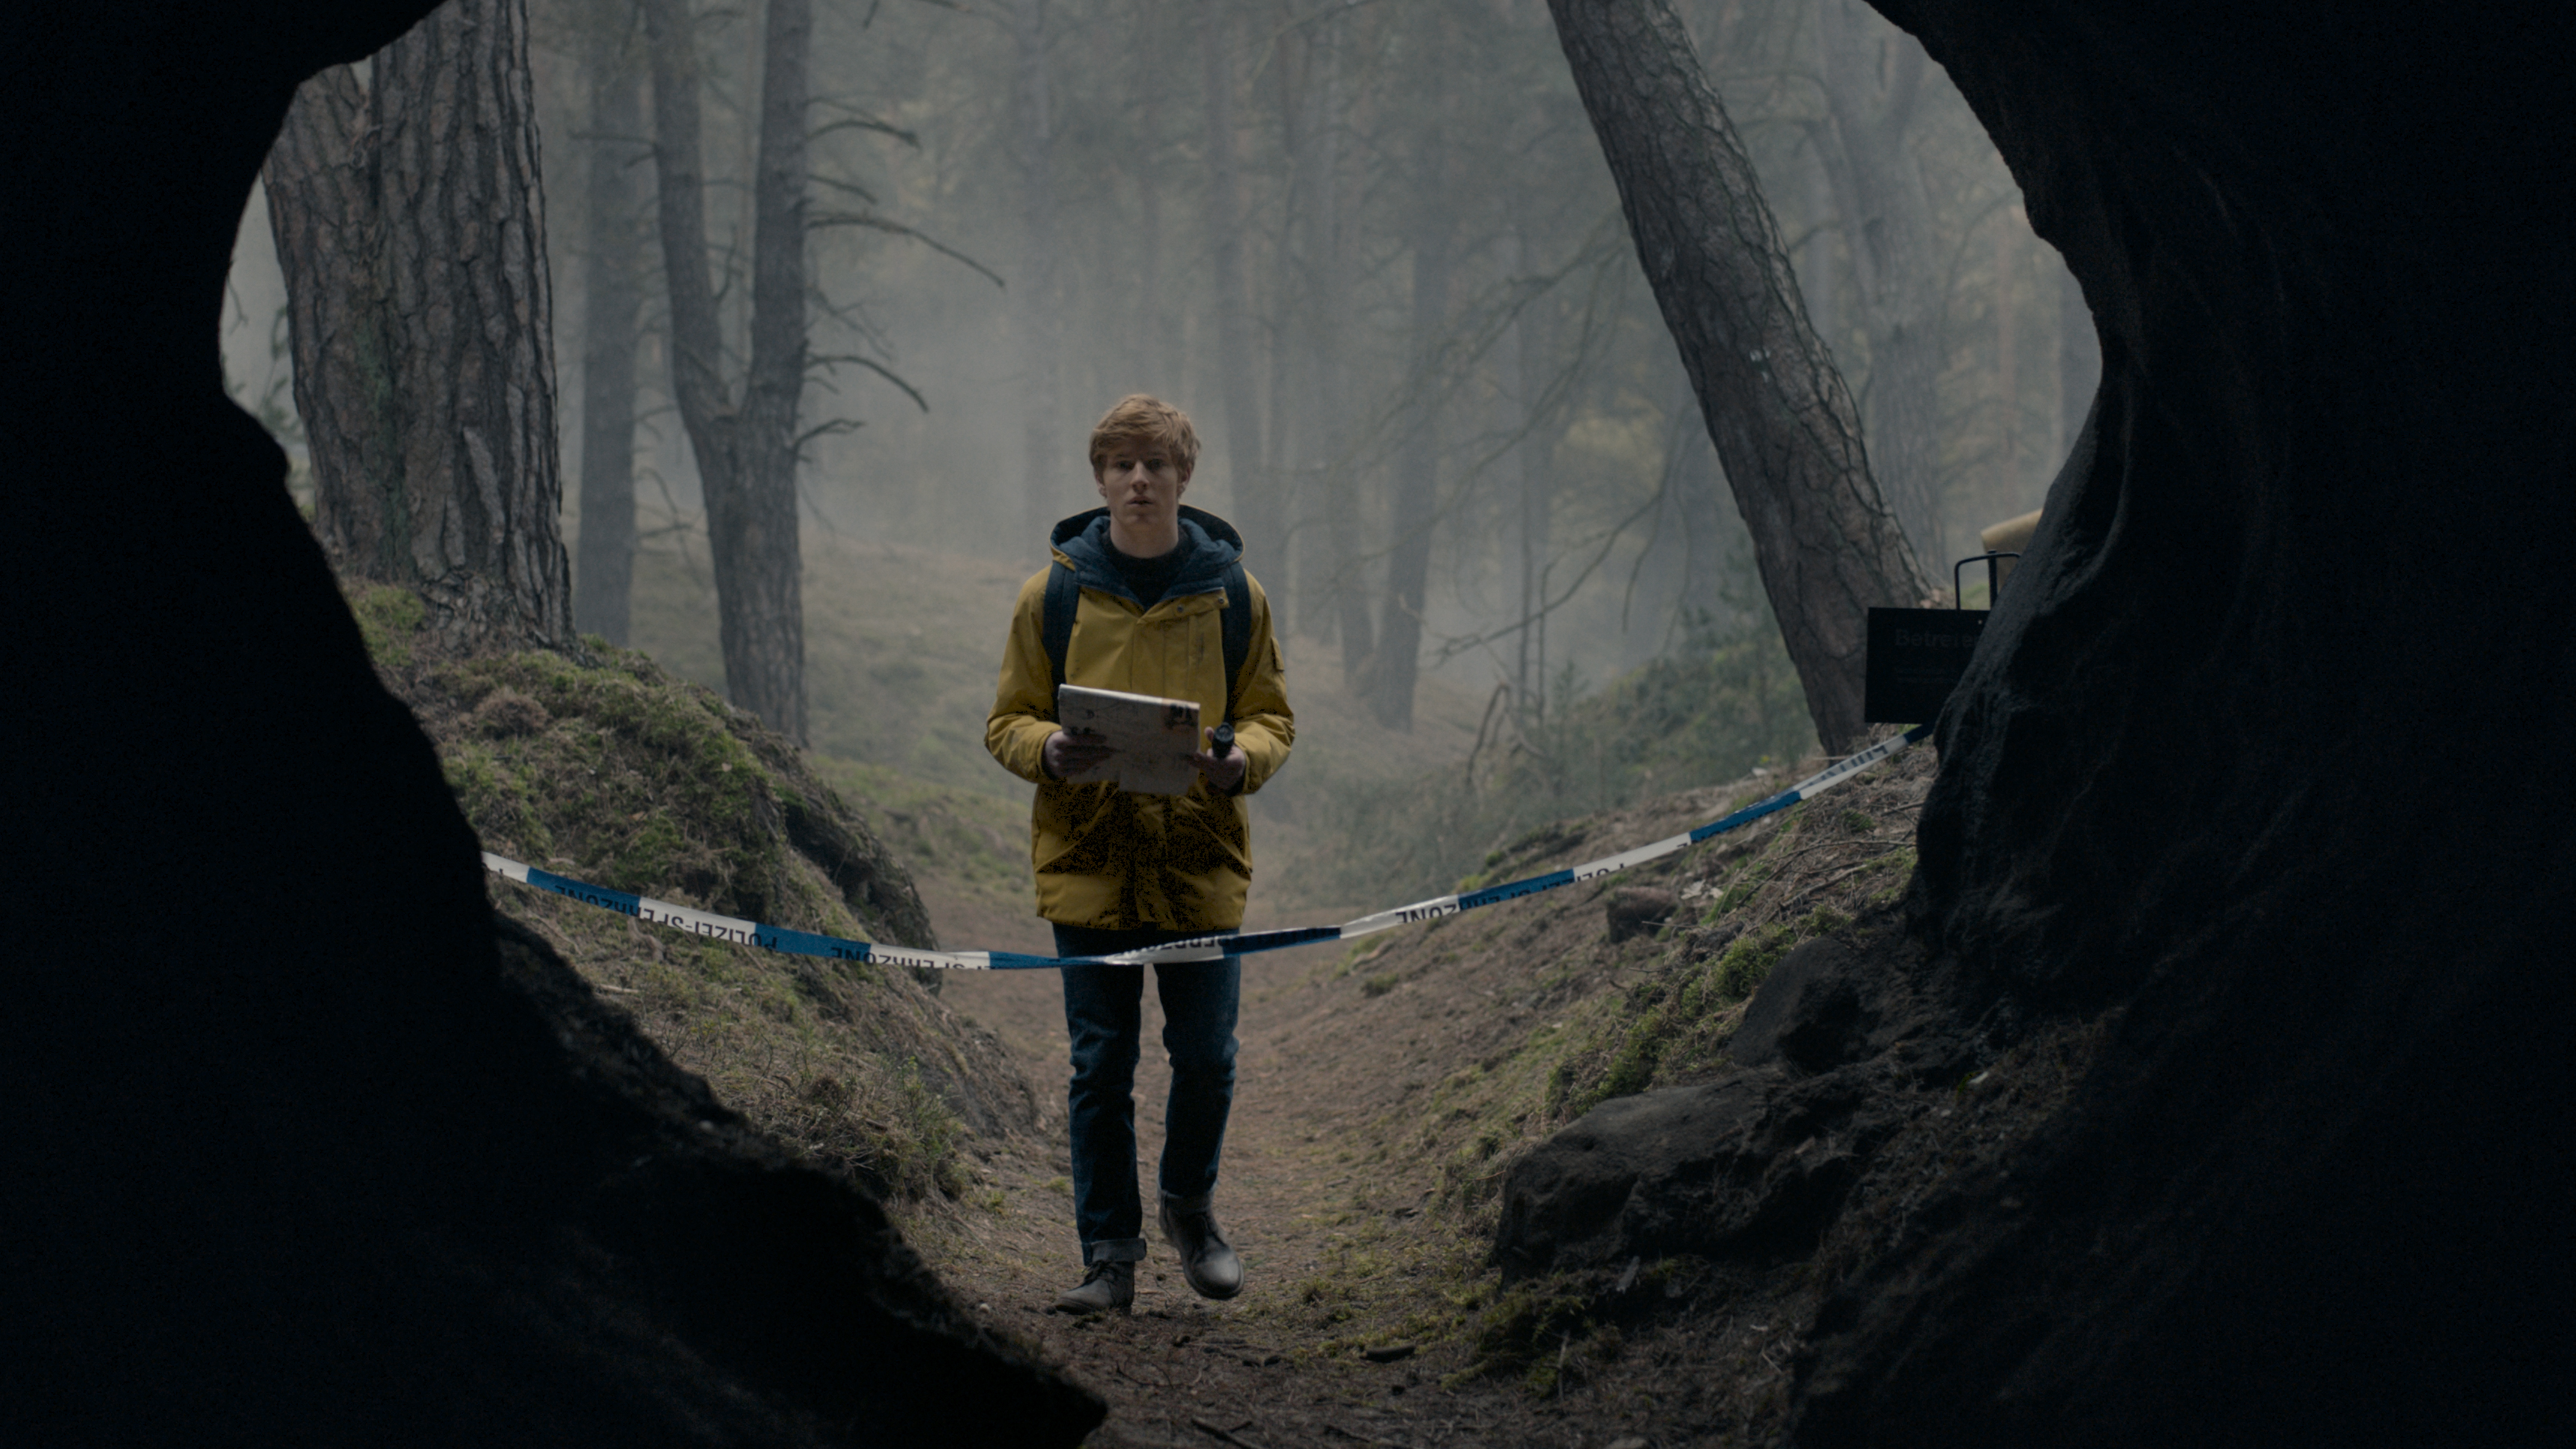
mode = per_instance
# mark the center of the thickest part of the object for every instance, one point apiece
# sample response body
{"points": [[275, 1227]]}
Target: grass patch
{"points": [[388, 616], [1714, 708], [1539, 1331]]}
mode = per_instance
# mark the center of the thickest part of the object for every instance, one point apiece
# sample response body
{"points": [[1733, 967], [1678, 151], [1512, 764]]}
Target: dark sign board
{"points": [[1915, 659]]}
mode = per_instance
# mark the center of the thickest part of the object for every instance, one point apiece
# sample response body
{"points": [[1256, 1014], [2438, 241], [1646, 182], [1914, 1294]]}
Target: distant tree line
{"points": [[1374, 249]]}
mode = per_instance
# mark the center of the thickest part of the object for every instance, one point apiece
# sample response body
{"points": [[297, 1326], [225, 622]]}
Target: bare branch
{"points": [[880, 370], [878, 223]]}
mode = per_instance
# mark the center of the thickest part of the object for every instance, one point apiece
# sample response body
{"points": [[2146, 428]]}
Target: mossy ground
{"points": [[1518, 1019], [608, 770]]}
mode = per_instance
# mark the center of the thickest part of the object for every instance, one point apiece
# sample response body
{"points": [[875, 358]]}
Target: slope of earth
{"points": [[1384, 1091], [611, 772]]}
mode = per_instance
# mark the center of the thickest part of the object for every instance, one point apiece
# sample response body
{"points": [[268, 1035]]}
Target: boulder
{"points": [[1751, 1167], [1809, 1014]]}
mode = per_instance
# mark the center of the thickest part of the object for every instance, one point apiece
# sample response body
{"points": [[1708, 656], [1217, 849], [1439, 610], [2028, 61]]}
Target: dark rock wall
{"points": [[2265, 743], [290, 1157]]}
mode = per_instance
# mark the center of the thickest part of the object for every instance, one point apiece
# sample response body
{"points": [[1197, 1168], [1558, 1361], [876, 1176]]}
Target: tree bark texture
{"points": [[754, 537], [746, 448], [1783, 423], [411, 232], [1873, 87], [612, 313], [1257, 504]]}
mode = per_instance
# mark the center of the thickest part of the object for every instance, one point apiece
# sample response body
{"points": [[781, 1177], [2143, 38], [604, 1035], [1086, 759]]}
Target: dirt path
{"points": [[1273, 1367], [1381, 1088]]}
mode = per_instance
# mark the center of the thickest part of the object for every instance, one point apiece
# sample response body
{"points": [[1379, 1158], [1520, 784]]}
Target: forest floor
{"points": [[1382, 1091], [1385, 1088]]}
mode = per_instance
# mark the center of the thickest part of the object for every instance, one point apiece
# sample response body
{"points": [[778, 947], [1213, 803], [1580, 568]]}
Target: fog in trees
{"points": [[1373, 250]]}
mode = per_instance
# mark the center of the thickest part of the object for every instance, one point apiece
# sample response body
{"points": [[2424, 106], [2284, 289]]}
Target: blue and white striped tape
{"points": [[1204, 948]]}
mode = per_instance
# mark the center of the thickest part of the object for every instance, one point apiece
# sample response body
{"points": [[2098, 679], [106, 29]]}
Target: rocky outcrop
{"points": [[1836, 1054], [1750, 1167]]}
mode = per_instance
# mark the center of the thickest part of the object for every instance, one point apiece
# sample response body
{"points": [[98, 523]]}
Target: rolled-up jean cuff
{"points": [[1114, 1250], [1198, 1204]]}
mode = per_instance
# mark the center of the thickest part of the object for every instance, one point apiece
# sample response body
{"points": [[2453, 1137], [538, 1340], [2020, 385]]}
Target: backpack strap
{"points": [[1064, 600], [1055, 619], [1236, 623]]}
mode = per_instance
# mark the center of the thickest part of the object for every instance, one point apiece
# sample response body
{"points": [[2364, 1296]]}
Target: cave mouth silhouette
{"points": [[312, 1146], [2260, 756], [2260, 752]]}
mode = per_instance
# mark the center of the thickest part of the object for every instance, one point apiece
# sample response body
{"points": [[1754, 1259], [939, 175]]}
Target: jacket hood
{"points": [[1082, 541]]}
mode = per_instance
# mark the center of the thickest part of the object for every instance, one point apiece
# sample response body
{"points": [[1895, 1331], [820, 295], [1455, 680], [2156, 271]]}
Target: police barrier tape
{"points": [[1202, 948]]}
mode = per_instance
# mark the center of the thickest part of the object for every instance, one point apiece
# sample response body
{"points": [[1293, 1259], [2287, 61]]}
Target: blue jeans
{"points": [[1104, 1015]]}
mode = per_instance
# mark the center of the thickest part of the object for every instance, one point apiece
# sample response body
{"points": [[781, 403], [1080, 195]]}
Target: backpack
{"points": [[1064, 597]]}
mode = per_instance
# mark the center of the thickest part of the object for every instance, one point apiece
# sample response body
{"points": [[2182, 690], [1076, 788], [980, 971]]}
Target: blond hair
{"points": [[1150, 422]]}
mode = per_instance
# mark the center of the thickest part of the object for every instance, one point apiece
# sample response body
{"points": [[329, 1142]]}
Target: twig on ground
{"points": [[1226, 1435], [1847, 841]]}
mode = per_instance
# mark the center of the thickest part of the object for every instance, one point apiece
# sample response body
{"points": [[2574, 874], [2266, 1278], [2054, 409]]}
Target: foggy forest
{"points": [[1395, 295], [551, 939]]}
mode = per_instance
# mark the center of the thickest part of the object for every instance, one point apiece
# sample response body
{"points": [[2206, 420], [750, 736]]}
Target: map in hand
{"points": [[1151, 739]]}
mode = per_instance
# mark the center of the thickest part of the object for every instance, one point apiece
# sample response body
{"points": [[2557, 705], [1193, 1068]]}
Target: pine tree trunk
{"points": [[1417, 482], [745, 452], [1324, 498], [411, 232], [1257, 504], [1048, 493], [756, 539], [1530, 343], [328, 223], [1872, 97], [612, 314], [1783, 423], [1288, 416]]}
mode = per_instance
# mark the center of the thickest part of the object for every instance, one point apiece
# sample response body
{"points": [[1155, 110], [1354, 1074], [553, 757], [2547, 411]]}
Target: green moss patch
{"points": [[612, 771]]}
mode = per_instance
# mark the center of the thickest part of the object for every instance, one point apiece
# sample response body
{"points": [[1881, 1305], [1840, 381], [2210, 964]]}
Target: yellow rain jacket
{"points": [[1112, 860]]}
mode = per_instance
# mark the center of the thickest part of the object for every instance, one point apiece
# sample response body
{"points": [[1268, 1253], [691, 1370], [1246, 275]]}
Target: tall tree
{"points": [[1033, 293], [1391, 667], [411, 233], [1257, 503], [1310, 432], [746, 445], [1523, 367], [612, 316], [1783, 422], [1874, 77]]}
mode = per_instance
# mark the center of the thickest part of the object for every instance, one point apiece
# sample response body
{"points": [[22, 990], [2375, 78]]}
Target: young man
{"points": [[1119, 871]]}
